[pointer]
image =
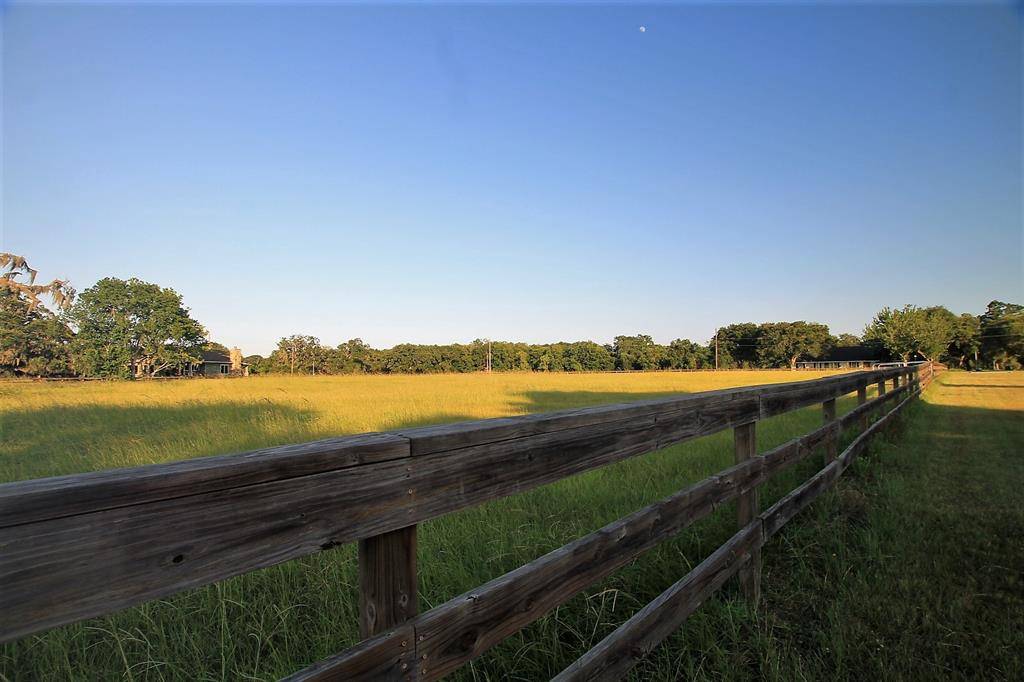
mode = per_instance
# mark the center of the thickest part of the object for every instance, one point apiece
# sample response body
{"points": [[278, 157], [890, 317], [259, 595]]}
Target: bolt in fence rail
{"points": [[76, 547]]}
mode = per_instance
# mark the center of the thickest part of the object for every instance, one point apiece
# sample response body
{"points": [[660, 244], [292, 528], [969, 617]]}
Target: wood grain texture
{"points": [[74, 567], [862, 398], [48, 498], [389, 656], [828, 415], [448, 437], [747, 508], [638, 636], [388, 588]]}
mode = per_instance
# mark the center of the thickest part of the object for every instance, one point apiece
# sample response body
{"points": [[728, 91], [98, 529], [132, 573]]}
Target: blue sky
{"points": [[528, 172]]}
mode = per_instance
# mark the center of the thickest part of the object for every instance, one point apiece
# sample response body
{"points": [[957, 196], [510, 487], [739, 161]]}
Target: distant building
{"points": [[215, 363], [844, 357]]}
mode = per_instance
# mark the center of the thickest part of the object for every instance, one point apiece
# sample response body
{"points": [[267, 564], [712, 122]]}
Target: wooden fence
{"points": [[75, 547]]}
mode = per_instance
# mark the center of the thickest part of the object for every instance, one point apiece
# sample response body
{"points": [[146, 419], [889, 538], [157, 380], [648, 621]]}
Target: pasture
{"points": [[874, 579]]}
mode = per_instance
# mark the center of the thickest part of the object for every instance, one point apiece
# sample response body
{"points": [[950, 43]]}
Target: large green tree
{"points": [[910, 330], [935, 328], [965, 341], [1002, 335], [684, 354], [896, 330], [300, 354], [33, 339], [131, 328], [736, 345], [847, 340], [782, 344], [635, 352]]}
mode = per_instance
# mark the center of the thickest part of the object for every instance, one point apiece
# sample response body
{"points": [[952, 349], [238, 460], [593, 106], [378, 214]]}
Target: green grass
{"points": [[910, 569]]}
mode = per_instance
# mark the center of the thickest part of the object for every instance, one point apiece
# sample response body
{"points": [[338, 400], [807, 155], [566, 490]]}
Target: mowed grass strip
{"points": [[835, 583]]}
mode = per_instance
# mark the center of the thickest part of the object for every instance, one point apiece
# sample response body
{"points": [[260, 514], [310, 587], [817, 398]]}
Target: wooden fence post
{"points": [[828, 414], [388, 594], [745, 441], [881, 387], [862, 397]]}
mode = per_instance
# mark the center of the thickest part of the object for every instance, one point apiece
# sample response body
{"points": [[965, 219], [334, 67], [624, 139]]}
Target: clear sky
{"points": [[523, 172]]}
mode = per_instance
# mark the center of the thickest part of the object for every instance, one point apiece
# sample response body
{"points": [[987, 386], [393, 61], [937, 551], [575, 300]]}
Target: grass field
{"points": [[911, 569]]}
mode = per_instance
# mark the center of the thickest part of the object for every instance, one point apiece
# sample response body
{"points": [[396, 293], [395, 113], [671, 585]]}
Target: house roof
{"points": [[864, 351], [214, 356]]}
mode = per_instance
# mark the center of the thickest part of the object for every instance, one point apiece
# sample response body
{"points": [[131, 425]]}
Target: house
{"points": [[847, 357], [216, 364]]}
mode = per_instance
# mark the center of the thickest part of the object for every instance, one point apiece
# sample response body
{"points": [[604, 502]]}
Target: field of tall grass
{"points": [[59, 428], [270, 623]]}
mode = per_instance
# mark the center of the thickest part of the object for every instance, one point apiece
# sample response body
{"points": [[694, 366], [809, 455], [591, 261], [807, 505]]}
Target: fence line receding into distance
{"points": [[80, 546]]}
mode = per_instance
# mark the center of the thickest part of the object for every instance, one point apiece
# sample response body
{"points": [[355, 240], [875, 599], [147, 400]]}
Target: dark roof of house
{"points": [[864, 351], [214, 356]]}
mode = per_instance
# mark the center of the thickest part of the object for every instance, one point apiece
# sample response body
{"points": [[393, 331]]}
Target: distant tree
{"points": [[897, 330], [131, 328], [544, 359], [13, 268], [909, 331], [965, 341], [1002, 335], [784, 343], [258, 364], [587, 356], [847, 340], [935, 328], [685, 354], [635, 352], [299, 354], [363, 357], [33, 339], [737, 345]]}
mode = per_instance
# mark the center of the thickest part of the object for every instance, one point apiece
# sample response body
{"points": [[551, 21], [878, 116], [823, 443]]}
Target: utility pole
{"points": [[488, 355]]}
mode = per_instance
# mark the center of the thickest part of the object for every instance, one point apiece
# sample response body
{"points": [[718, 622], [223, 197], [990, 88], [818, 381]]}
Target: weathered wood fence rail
{"points": [[75, 547]]}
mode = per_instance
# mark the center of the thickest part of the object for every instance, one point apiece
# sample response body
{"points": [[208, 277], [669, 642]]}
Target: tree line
{"points": [[131, 329]]}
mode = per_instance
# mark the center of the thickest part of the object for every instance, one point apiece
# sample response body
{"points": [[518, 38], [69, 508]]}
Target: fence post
{"points": [[862, 397], [388, 594], [745, 441], [881, 387], [828, 414]]}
